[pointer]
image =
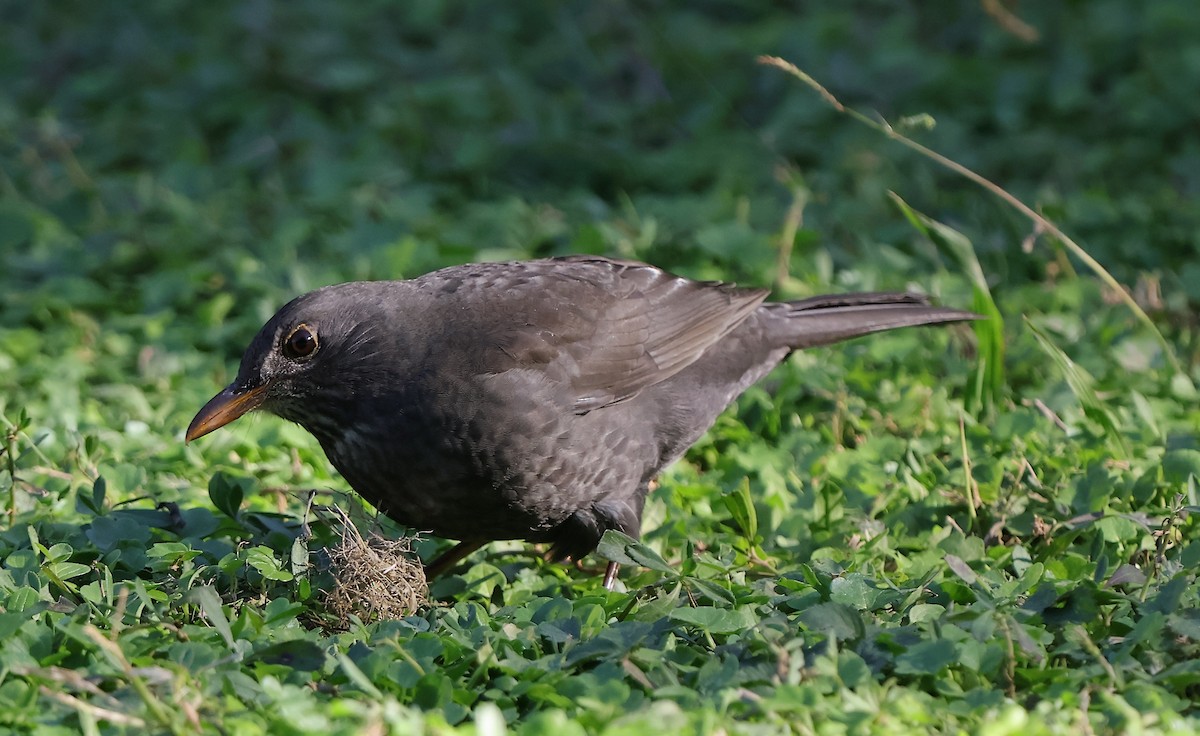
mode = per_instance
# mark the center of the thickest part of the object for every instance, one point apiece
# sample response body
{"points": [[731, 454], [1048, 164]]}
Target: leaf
{"points": [[1083, 386], [927, 658], [210, 604], [483, 579], [716, 620], [298, 654], [852, 669], [741, 507], [925, 612], [226, 493], [299, 556], [1169, 596], [13, 620], [1147, 630], [59, 552], [660, 606], [263, 560], [91, 500], [1185, 623], [961, 569], [23, 598], [114, 530], [1190, 556], [838, 620], [626, 550], [1126, 575], [1180, 465], [172, 552], [356, 676], [1077, 606], [858, 591], [1145, 413], [67, 570], [281, 611], [615, 640], [716, 674], [711, 590]]}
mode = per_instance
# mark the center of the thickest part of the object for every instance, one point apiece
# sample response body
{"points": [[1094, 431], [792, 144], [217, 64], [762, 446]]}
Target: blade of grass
{"points": [[989, 369], [9, 450], [1083, 386], [968, 478], [1045, 224]]}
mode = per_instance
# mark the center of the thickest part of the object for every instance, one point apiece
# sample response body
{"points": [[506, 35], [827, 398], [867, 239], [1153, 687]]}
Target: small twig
{"points": [[1008, 20], [1162, 539], [637, 674], [112, 650], [95, 711], [973, 499], [1085, 640], [10, 458], [950, 520], [52, 472], [117, 617], [1049, 414], [794, 70], [1085, 704], [1030, 472], [305, 527], [1010, 659]]}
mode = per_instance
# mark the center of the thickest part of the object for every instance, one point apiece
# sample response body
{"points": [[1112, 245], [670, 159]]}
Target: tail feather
{"points": [[828, 319]]}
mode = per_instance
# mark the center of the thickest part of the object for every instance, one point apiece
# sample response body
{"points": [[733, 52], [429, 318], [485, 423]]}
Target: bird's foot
{"points": [[452, 557], [610, 575]]}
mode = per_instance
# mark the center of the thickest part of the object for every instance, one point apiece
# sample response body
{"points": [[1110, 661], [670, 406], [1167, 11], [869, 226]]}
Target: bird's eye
{"points": [[301, 343]]}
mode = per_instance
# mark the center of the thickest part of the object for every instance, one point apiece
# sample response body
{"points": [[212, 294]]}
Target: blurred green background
{"points": [[304, 142], [172, 172]]}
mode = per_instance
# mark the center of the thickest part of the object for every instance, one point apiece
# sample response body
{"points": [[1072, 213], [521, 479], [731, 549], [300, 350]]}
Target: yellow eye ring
{"points": [[301, 343]]}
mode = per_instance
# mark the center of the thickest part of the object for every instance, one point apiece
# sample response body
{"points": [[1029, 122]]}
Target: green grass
{"points": [[888, 536]]}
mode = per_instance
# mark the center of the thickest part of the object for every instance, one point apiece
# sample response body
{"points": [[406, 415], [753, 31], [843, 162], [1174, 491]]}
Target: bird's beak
{"points": [[224, 408]]}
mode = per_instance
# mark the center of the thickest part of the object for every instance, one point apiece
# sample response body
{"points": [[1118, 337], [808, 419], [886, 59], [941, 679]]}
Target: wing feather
{"points": [[652, 325], [604, 329]]}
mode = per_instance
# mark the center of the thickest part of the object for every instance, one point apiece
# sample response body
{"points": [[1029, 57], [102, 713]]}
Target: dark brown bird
{"points": [[527, 400]]}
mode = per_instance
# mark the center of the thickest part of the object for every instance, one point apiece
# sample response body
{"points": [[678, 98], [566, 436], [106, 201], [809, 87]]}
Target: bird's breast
{"points": [[499, 457]]}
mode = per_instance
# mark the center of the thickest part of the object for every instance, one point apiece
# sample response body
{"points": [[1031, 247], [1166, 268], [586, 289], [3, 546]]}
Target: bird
{"points": [[534, 400]]}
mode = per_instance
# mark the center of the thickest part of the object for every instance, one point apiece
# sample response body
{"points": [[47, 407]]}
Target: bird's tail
{"points": [[823, 320]]}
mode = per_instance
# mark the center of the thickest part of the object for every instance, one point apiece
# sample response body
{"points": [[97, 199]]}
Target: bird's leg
{"points": [[452, 557], [610, 575]]}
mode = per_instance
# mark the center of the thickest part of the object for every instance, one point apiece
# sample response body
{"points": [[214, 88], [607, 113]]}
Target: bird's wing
{"points": [[610, 328]]}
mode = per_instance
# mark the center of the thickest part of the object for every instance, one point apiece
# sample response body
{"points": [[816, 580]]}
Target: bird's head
{"points": [[307, 360]]}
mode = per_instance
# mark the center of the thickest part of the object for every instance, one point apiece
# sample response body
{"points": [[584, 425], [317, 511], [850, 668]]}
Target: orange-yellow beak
{"points": [[224, 408]]}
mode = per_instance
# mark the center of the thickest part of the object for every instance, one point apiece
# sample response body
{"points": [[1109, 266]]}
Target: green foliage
{"points": [[989, 332], [872, 541]]}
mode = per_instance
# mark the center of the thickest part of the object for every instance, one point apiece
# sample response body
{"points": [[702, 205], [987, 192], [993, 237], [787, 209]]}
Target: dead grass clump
{"points": [[374, 578]]}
